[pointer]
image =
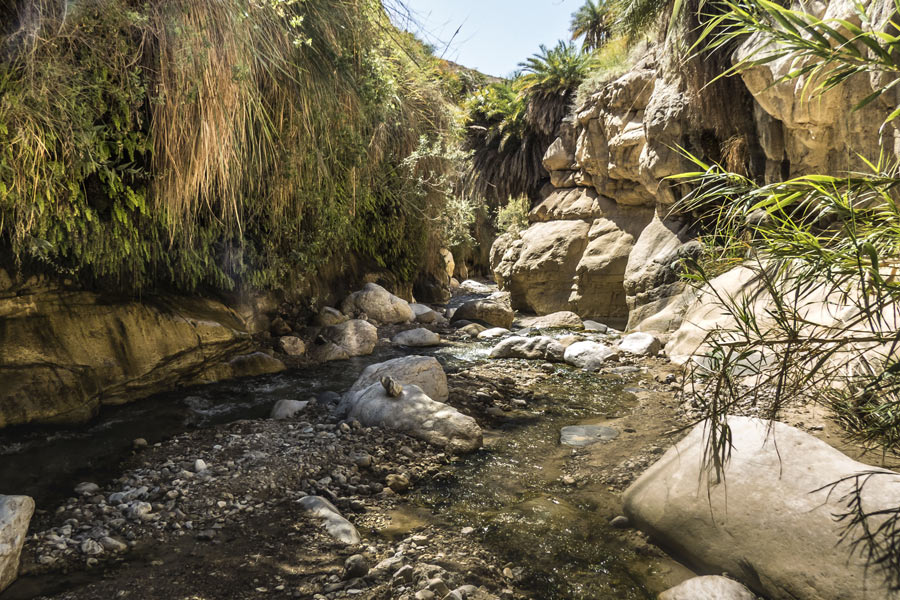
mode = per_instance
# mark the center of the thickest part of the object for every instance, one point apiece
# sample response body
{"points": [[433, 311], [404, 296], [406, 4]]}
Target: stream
{"points": [[511, 493]]}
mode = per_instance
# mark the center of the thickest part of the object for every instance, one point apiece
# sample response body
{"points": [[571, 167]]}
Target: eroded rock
{"points": [[414, 338]]}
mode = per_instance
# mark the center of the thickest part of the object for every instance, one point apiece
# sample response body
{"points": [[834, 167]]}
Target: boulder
{"points": [[326, 351], [417, 415], [288, 409], [416, 338], [423, 371], [640, 344], [493, 333], [595, 326], [378, 304], [710, 587], [15, 515], [531, 348], [472, 329], [330, 316], [355, 337], [588, 355], [470, 286], [331, 519], [495, 310], [424, 314], [291, 345], [564, 319], [770, 522]]}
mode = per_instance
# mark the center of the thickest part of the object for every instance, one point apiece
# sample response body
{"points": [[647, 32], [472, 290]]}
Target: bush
{"points": [[513, 218]]}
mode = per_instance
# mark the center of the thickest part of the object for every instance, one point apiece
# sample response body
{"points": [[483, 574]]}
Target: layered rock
{"points": [[63, 354], [770, 521]]}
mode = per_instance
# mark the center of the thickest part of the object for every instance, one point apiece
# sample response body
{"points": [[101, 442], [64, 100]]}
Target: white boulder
{"points": [[423, 371], [378, 304], [355, 337], [493, 333], [640, 344], [15, 515], [532, 348], [288, 409], [588, 355], [771, 521], [420, 337], [710, 587], [417, 415]]}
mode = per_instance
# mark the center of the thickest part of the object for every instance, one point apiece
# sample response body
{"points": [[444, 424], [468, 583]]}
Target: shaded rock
{"points": [[495, 311], [711, 587], [355, 337], [640, 344], [279, 327], [355, 566], [398, 483], [334, 523], [588, 355], [415, 414], [378, 304], [585, 435], [288, 409], [326, 351], [770, 522], [416, 338], [63, 353], [424, 314], [595, 326], [473, 329], [15, 515], [291, 345], [423, 371], [494, 332], [532, 348], [330, 316], [563, 319]]}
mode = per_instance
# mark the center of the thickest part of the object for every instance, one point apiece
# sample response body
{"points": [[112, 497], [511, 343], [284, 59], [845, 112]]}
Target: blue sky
{"points": [[494, 35]]}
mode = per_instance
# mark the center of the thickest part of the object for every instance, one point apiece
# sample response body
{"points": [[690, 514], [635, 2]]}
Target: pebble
{"points": [[355, 566], [200, 465], [139, 443], [398, 483], [86, 488]]}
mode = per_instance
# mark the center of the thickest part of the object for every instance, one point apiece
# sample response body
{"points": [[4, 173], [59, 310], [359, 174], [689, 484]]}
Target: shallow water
{"points": [[511, 492]]}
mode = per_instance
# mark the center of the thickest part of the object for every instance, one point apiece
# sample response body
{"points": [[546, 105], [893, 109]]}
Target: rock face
{"points": [[711, 587], [770, 523], [15, 515], [532, 348], [63, 354], [378, 304], [413, 338], [494, 310], [415, 414], [423, 371]]}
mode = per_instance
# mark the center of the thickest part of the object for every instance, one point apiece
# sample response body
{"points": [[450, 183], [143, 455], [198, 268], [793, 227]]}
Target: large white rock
{"points": [[495, 310], [356, 337], [771, 522], [710, 587], [417, 415], [563, 319], [532, 348], [640, 344], [416, 338], [15, 515], [494, 332], [334, 523], [423, 371], [588, 355], [378, 304]]}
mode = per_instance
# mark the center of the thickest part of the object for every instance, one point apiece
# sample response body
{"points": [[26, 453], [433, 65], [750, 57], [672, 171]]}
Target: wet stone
{"points": [[584, 435]]}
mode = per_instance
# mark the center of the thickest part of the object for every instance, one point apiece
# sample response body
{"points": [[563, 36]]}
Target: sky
{"points": [[494, 35]]}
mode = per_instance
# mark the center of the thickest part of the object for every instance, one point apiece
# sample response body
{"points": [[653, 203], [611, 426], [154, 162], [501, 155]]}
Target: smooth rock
{"points": [[335, 524], [495, 311], [532, 348], [379, 305], [288, 409], [588, 355], [710, 587], [15, 515], [291, 345], [640, 344], [113, 545], [355, 566], [330, 316], [423, 371], [424, 314], [494, 332], [585, 435], [355, 337], [86, 488], [595, 326], [771, 522], [415, 414], [564, 319], [398, 483], [416, 338], [470, 286], [473, 330]]}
